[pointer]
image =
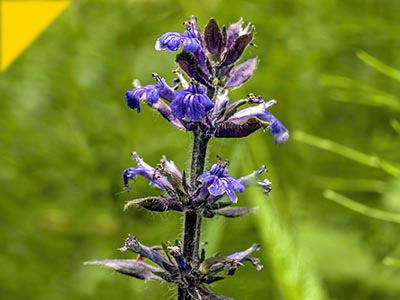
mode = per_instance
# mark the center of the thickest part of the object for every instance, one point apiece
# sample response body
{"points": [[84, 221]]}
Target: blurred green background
{"points": [[330, 227]]}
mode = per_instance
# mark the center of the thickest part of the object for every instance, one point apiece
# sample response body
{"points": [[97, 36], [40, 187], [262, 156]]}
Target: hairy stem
{"points": [[192, 222]]}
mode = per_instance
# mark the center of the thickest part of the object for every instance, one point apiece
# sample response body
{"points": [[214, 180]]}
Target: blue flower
{"points": [[146, 171], [132, 244], [176, 252], [192, 103], [152, 92], [170, 167], [219, 182], [171, 41], [261, 113], [241, 256], [133, 98], [251, 178]]}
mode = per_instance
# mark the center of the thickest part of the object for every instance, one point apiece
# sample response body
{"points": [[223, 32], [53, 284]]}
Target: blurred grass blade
{"points": [[361, 208], [378, 65], [352, 91], [351, 184], [362, 158], [391, 261], [292, 273], [396, 125]]}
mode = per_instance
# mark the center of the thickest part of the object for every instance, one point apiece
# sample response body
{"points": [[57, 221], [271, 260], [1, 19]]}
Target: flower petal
{"points": [[254, 111], [169, 42], [241, 73], [165, 90], [192, 103], [206, 177], [233, 32], [231, 195], [178, 107], [236, 51], [170, 166], [217, 187], [152, 95], [133, 99], [190, 44], [213, 38]]}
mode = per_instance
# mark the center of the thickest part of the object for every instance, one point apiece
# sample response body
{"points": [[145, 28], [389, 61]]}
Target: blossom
{"points": [[245, 255], [217, 181], [260, 113], [171, 41], [251, 178], [170, 167], [221, 101], [180, 260], [192, 103], [235, 30], [146, 171], [132, 244], [152, 93], [237, 39], [241, 256]]}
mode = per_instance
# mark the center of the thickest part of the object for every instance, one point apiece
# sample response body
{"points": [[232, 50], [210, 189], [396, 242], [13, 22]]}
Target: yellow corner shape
{"points": [[21, 22]]}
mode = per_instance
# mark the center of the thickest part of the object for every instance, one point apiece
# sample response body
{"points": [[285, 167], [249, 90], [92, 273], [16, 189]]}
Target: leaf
{"points": [[235, 128], [150, 203], [234, 53], [396, 125], [159, 204], [188, 63], [241, 73], [132, 268], [233, 32], [233, 212], [391, 261], [213, 38], [378, 65]]}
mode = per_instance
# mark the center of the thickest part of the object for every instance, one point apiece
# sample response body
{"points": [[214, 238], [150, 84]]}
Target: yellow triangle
{"points": [[21, 22]]}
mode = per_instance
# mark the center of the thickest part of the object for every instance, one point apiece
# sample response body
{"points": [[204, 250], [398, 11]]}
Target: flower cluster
{"points": [[208, 61], [198, 102], [181, 195]]}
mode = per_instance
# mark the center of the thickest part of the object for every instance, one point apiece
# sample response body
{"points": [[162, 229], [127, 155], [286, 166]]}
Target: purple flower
{"points": [[245, 255], [261, 113], [251, 178], [176, 252], [235, 30], [146, 171], [192, 103], [171, 41], [217, 181], [170, 167], [241, 256], [221, 101], [152, 92], [132, 244]]}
